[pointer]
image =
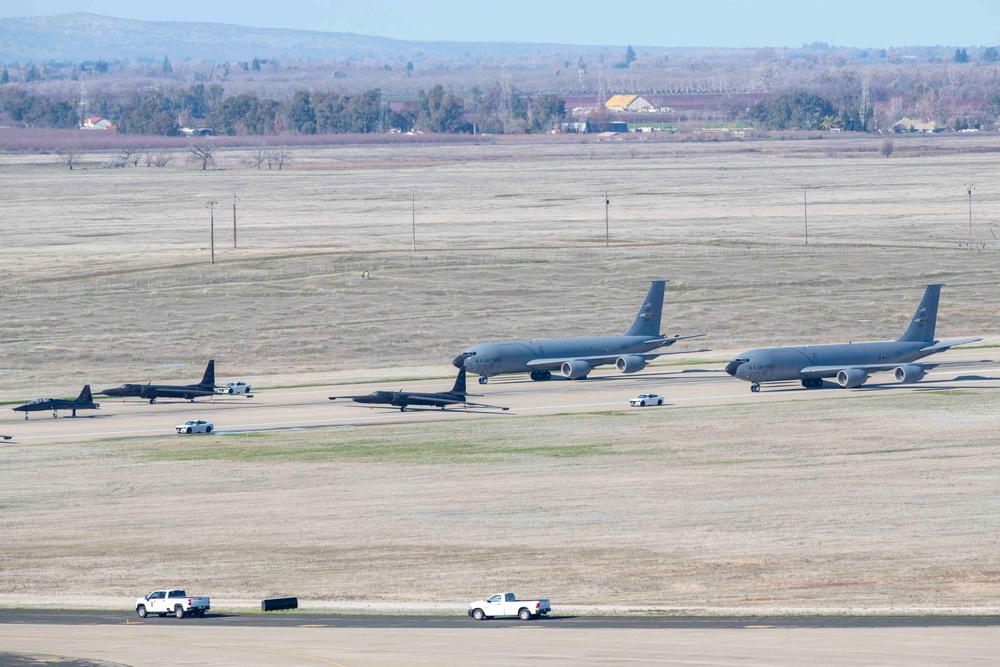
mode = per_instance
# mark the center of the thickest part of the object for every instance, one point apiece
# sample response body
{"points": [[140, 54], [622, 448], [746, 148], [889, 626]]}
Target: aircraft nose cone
{"points": [[459, 361], [732, 367], [109, 392]]}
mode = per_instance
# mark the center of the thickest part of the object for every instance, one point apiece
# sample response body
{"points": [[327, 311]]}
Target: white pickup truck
{"points": [[507, 604], [172, 601]]}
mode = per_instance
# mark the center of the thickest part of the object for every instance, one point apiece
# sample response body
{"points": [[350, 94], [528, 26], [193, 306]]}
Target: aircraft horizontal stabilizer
{"points": [[945, 344], [670, 340]]}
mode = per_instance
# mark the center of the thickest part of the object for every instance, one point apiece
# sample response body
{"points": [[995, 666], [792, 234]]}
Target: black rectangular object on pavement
{"points": [[278, 604]]}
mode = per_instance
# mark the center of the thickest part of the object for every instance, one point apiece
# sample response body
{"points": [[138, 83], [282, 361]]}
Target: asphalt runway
{"points": [[301, 408], [215, 645], [554, 621]]}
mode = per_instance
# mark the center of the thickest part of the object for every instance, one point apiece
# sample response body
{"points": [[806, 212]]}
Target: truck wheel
{"points": [[179, 611], [141, 610], [524, 615], [478, 614]]}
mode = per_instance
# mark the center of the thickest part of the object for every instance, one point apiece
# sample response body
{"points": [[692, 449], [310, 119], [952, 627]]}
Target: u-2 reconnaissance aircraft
{"points": [[403, 399], [152, 391], [852, 363], [83, 402], [576, 357]]}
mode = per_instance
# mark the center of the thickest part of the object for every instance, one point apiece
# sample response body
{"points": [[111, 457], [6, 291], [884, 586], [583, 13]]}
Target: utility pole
{"points": [[607, 224], [211, 207], [805, 211], [413, 216], [234, 219], [970, 189]]}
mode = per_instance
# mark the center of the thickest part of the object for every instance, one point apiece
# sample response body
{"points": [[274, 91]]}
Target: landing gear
{"points": [[152, 401], [541, 376], [483, 379], [55, 415], [812, 383], [402, 408], [755, 387], [26, 416]]}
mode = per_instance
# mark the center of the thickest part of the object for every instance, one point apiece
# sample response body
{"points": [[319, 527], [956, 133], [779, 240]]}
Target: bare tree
{"points": [[201, 154], [129, 155], [70, 155], [278, 159], [886, 147], [161, 159], [256, 156]]}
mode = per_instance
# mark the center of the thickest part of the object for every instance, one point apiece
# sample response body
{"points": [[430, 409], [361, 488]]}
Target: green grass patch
{"points": [[440, 444]]}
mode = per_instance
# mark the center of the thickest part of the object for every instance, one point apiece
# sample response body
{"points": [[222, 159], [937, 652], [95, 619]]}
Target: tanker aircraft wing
{"points": [[553, 363], [827, 371]]}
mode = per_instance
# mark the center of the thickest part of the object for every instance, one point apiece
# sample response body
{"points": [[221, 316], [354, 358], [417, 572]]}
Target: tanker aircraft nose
{"points": [[735, 364], [459, 361]]}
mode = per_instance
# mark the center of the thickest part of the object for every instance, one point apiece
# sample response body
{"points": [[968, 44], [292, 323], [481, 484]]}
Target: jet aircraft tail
{"points": [[208, 380], [647, 320], [459, 387], [921, 327], [85, 395]]}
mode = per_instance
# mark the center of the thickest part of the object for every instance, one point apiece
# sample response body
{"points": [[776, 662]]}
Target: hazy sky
{"points": [[663, 23]]}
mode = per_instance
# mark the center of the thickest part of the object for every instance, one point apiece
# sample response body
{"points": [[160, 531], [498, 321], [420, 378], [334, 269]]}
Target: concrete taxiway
{"points": [[309, 407]]}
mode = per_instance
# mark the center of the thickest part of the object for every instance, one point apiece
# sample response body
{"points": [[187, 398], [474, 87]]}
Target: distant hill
{"points": [[80, 36]]}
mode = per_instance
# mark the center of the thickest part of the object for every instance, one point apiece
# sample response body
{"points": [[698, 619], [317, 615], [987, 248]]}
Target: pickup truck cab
{"points": [[172, 601], [507, 604]]}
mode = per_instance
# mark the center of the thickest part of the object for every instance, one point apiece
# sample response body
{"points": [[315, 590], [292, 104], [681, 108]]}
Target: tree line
{"points": [[165, 112], [500, 109]]}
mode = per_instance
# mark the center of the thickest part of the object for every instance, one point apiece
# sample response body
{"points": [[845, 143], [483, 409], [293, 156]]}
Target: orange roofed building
{"points": [[98, 123], [628, 103]]}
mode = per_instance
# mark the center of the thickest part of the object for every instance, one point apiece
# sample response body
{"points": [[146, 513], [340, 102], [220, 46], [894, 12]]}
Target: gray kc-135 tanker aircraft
{"points": [[852, 363], [576, 357]]}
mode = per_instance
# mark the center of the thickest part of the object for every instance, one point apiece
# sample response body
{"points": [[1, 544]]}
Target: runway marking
{"points": [[759, 627]]}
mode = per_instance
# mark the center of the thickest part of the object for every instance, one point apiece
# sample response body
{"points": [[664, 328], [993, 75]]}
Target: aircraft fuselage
{"points": [[489, 359], [786, 363]]}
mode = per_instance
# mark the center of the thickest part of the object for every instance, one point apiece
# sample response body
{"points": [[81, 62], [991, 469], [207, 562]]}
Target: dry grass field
{"points": [[874, 502], [106, 274]]}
